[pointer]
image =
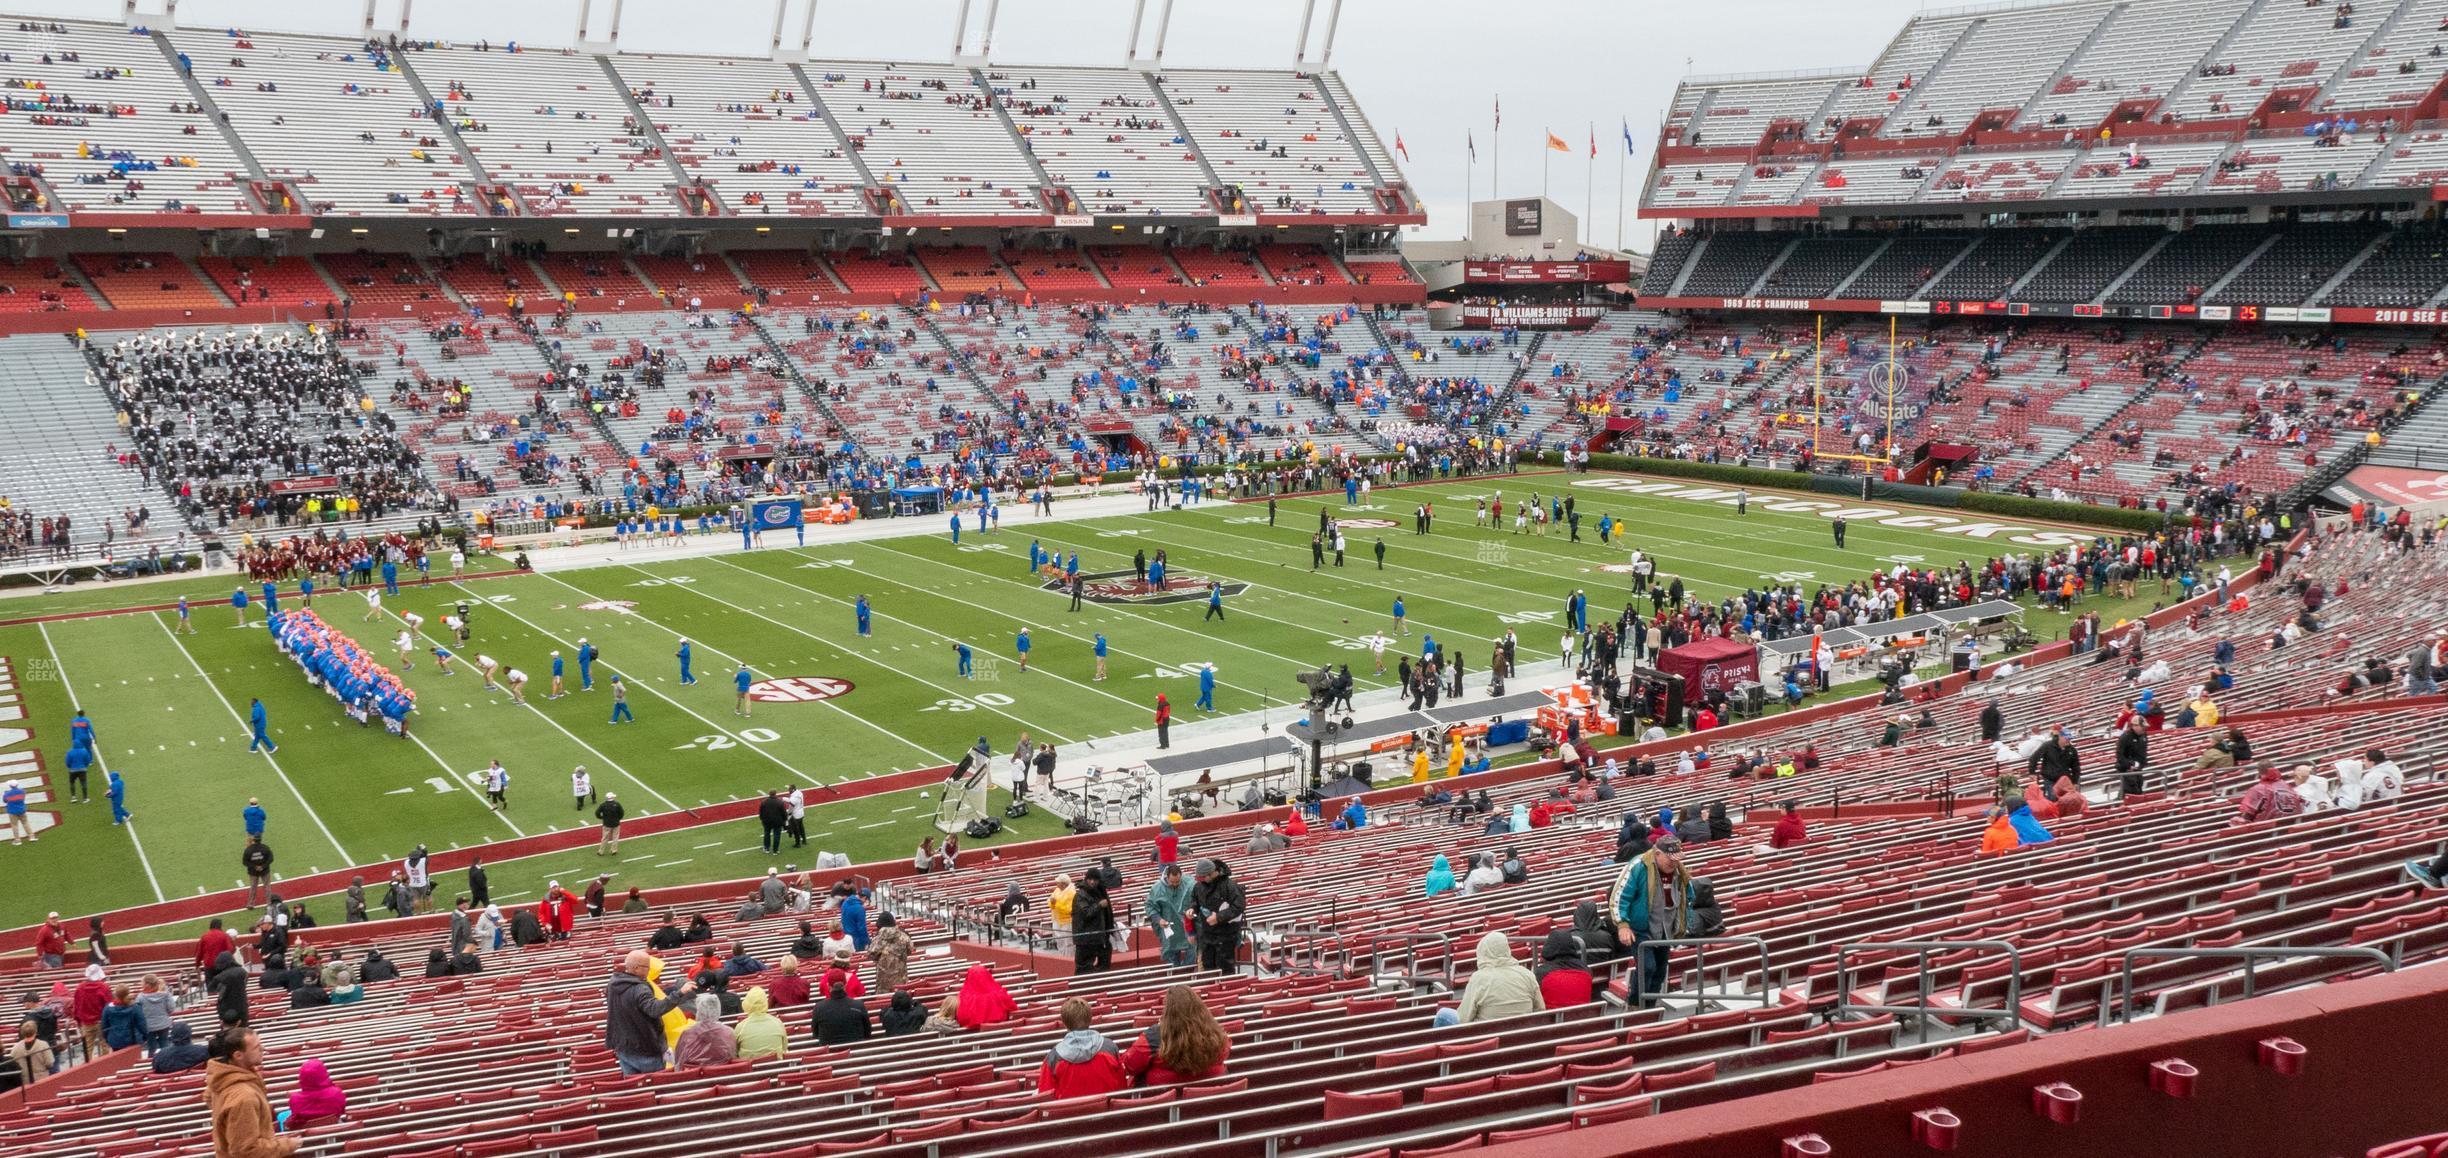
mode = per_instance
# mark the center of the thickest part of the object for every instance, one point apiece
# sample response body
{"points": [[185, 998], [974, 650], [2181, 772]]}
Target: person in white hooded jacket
{"points": [[1483, 874], [1500, 986]]}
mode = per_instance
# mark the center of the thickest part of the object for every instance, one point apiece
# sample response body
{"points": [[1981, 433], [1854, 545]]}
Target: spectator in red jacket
{"points": [[790, 988], [211, 946], [1084, 1062], [1564, 977], [51, 943], [2070, 801], [841, 972], [1168, 844], [558, 911], [1789, 831], [85, 1006], [983, 1000], [1185, 1044]]}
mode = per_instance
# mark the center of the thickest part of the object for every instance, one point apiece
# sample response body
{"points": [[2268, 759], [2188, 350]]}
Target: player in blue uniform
{"points": [[271, 599], [956, 528], [185, 626], [306, 592], [1206, 700], [962, 650], [79, 761], [118, 799], [390, 572], [686, 679], [80, 731], [1400, 628], [255, 720], [865, 627], [556, 692], [586, 665]]}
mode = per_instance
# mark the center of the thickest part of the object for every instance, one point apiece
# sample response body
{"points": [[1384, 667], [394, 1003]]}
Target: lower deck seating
{"points": [[132, 281]]}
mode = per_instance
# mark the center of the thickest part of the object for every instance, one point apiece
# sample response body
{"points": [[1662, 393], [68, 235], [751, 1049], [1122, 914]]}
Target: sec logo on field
{"points": [[798, 689], [1367, 524]]}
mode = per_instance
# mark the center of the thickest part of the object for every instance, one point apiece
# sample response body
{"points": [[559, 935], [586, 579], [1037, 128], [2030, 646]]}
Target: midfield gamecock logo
{"points": [[798, 689], [1125, 587]]}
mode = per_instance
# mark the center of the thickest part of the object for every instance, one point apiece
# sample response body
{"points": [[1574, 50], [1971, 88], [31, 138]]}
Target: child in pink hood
{"points": [[316, 1097]]}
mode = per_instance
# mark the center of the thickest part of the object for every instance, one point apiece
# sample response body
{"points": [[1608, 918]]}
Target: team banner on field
{"points": [[775, 514]]}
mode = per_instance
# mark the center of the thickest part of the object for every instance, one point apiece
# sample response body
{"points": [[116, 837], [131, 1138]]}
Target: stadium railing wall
{"points": [[2268, 1069]]}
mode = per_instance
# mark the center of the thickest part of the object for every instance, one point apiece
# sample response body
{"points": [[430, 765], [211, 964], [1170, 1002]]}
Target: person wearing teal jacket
{"points": [[1168, 909], [1651, 901]]}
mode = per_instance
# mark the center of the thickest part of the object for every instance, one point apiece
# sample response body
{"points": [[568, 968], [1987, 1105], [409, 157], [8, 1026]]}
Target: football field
{"points": [[829, 705]]}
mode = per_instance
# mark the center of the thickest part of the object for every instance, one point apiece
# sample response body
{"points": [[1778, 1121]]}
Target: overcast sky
{"points": [[1429, 69]]}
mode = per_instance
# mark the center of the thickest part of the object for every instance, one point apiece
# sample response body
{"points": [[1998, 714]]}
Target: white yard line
{"points": [[903, 672], [931, 754], [243, 726], [1135, 614], [101, 765], [1134, 705], [592, 750]]}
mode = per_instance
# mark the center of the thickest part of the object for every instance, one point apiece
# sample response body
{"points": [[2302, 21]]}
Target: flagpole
{"points": [[1818, 347], [1545, 163], [1496, 151], [1589, 180], [1621, 160]]}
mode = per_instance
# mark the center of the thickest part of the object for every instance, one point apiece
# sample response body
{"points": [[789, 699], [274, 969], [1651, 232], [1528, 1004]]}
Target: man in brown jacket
{"points": [[234, 1088]]}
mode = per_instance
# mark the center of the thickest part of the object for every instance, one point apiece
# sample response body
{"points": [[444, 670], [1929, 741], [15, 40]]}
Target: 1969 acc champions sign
{"points": [[798, 689]]}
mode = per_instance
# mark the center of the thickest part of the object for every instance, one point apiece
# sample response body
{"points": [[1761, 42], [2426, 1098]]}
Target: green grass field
{"points": [[169, 710]]}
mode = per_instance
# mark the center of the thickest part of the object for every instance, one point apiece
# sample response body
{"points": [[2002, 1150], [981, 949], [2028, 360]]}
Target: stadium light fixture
{"points": [[764, 229], [359, 230], [118, 231], [572, 229]]}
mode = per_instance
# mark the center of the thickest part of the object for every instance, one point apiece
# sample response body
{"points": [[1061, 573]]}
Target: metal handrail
{"points": [[1376, 950], [1925, 1009], [2246, 954], [1288, 940], [1629, 958]]}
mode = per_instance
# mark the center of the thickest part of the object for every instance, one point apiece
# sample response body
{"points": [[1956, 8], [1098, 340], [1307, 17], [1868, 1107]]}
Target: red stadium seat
{"points": [[1343, 1105]]}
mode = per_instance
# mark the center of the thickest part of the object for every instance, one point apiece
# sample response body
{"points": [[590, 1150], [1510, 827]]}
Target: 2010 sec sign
{"points": [[799, 689]]}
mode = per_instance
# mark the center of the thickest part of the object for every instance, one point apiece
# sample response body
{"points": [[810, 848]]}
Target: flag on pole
{"points": [[1471, 143], [1500, 110], [1557, 143], [1398, 145], [1630, 150], [1593, 142]]}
